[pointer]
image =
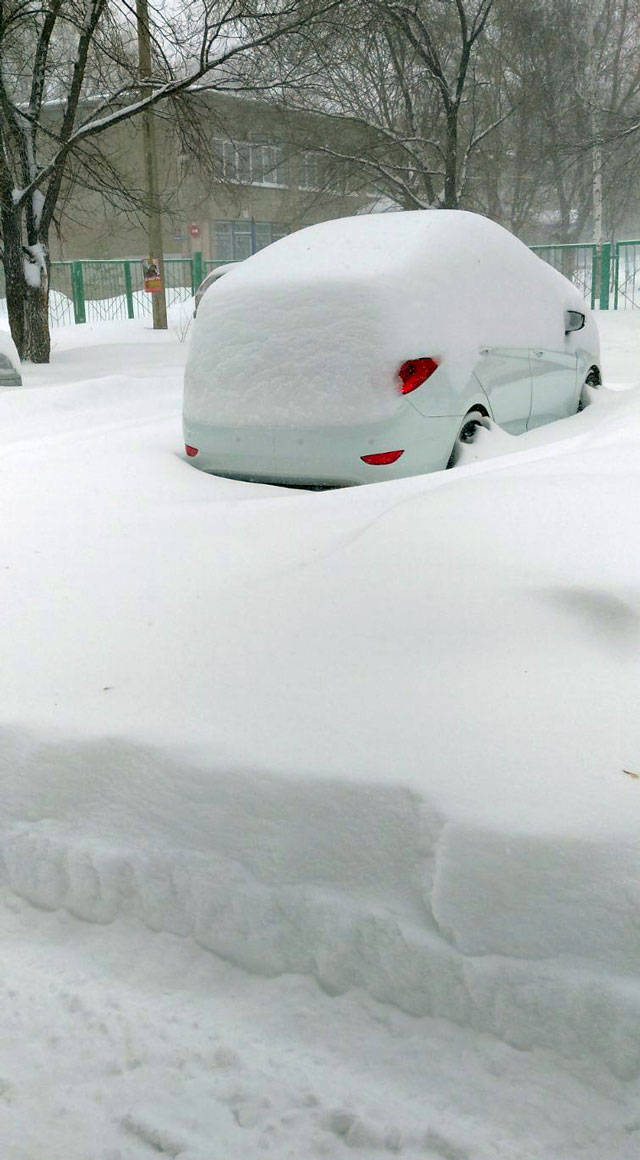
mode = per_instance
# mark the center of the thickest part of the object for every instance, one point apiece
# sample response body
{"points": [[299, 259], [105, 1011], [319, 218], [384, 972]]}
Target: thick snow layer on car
{"points": [[384, 740], [312, 330]]}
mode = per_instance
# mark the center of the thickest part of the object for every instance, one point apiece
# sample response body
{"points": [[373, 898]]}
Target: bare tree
{"points": [[445, 48], [575, 68], [521, 109], [68, 74], [404, 88]]}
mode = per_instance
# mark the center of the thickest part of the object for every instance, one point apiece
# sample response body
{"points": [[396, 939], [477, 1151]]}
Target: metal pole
{"points": [[128, 289], [605, 275], [158, 299], [77, 283], [196, 270]]}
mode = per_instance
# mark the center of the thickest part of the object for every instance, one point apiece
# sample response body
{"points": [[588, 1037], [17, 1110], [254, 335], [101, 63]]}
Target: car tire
{"points": [[590, 384], [467, 433]]}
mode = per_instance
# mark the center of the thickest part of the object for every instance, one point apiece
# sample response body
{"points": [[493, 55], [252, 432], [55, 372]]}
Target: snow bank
{"points": [[524, 936], [108, 309], [382, 739], [399, 719], [313, 329], [622, 342], [146, 1043]]}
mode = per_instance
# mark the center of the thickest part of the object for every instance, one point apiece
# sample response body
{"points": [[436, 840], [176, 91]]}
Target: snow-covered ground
{"points": [[318, 812]]}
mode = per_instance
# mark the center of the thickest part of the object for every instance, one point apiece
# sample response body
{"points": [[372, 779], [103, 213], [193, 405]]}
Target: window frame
{"points": [[237, 230], [263, 162], [304, 158]]}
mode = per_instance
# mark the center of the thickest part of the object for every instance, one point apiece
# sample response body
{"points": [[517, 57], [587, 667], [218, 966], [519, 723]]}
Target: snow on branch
{"points": [[35, 265], [228, 26]]}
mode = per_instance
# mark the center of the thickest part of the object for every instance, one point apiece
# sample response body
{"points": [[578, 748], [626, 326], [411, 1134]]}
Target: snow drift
{"points": [[376, 738], [382, 740]]}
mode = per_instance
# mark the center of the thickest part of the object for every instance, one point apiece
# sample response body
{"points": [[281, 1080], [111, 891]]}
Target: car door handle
{"points": [[538, 353]]}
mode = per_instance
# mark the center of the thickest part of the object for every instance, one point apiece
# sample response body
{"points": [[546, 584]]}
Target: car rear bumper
{"points": [[325, 457]]}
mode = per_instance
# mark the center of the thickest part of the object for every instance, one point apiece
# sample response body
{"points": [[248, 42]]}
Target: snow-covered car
{"points": [[9, 362], [208, 281], [367, 348]]}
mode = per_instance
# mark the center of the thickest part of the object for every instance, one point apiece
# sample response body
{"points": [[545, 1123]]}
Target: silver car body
{"points": [[293, 369], [210, 280]]}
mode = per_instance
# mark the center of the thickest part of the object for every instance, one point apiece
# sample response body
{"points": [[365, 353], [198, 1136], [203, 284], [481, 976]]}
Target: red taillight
{"points": [[414, 372], [382, 458], [190, 450]]}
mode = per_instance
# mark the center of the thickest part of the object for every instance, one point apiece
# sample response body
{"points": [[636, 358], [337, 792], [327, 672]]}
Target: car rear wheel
{"points": [[467, 434], [590, 384]]}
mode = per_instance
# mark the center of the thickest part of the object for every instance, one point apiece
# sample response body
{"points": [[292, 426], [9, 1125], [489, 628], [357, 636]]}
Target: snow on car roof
{"points": [[480, 283], [371, 244], [312, 329]]}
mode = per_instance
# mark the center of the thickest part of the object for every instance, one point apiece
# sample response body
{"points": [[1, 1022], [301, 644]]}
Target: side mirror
{"points": [[573, 320]]}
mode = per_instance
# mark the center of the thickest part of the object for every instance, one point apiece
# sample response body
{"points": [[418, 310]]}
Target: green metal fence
{"points": [[103, 290], [591, 272], [627, 276], [110, 289]]}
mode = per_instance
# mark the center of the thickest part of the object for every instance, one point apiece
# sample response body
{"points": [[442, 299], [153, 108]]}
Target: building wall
{"points": [[220, 178]]}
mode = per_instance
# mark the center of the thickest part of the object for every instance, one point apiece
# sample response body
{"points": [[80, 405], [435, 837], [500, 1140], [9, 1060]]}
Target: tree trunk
{"points": [[14, 278], [451, 162], [27, 305], [37, 340]]}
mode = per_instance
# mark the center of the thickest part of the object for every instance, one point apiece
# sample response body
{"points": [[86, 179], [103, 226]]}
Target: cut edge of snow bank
{"points": [[355, 886]]}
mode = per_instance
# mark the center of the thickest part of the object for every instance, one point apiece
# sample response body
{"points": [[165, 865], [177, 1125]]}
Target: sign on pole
{"points": [[151, 274]]}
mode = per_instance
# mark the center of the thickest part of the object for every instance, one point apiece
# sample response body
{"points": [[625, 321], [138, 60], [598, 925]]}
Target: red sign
{"points": [[151, 275], [194, 230]]}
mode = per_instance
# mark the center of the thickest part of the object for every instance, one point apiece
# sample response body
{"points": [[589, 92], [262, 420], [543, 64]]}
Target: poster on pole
{"points": [[151, 275]]}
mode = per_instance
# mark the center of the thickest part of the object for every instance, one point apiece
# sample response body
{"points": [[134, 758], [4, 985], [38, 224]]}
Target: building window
{"points": [[308, 171], [268, 165], [250, 163], [318, 171], [240, 239]]}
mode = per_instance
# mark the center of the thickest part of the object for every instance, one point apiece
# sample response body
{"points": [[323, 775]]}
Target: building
{"points": [[235, 173]]}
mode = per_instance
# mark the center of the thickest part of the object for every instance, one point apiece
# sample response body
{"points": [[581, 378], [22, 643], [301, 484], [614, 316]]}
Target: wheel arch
{"points": [[481, 407], [477, 399]]}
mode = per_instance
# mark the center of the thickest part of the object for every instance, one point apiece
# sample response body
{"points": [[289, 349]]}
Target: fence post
{"points": [[605, 275], [594, 276], [196, 271], [128, 289], [616, 276], [77, 287]]}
